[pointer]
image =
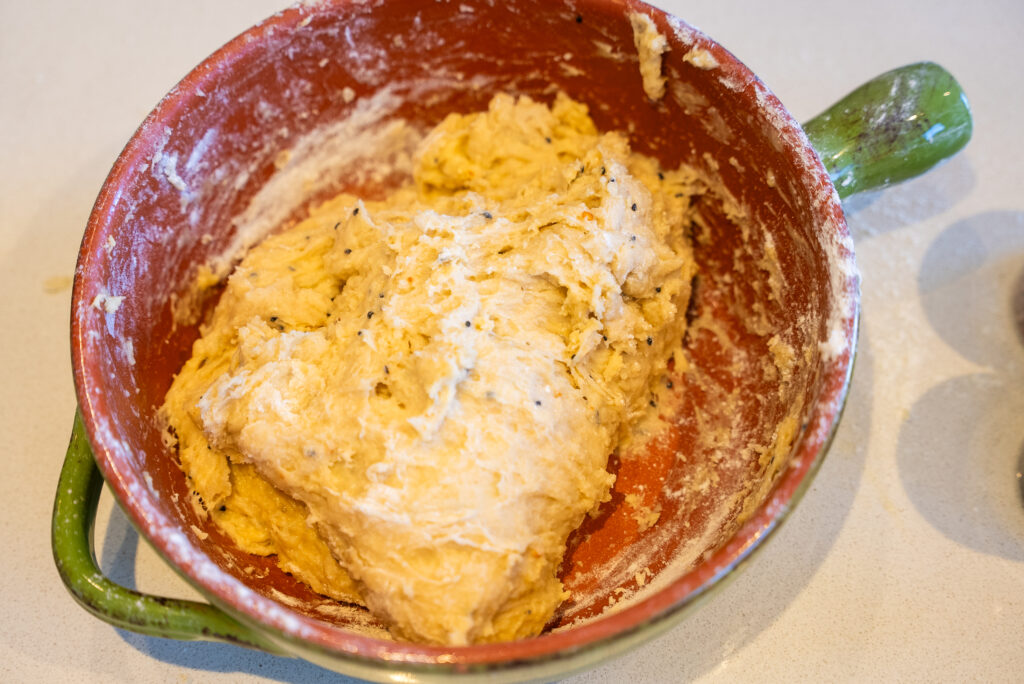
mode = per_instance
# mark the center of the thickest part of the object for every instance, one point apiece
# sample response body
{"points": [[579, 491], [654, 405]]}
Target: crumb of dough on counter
{"points": [[411, 402], [58, 284]]}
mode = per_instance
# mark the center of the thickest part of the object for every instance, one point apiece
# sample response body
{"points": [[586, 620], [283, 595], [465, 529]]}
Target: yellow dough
{"points": [[412, 402]]}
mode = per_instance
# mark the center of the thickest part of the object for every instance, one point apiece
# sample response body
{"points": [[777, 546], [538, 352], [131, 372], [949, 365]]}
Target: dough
{"points": [[650, 46], [412, 402]]}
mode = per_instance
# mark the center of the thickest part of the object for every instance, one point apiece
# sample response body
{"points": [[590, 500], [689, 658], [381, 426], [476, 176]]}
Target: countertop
{"points": [[904, 562]]}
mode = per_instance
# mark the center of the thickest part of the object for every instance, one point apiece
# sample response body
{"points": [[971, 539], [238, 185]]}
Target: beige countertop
{"points": [[904, 562]]}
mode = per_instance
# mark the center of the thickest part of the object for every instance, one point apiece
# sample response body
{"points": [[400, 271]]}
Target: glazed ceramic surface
{"points": [[298, 109]]}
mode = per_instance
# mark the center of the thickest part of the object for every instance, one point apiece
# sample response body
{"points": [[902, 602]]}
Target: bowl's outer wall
{"points": [[212, 143]]}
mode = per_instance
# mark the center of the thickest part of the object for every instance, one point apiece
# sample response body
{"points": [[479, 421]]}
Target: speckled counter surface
{"points": [[905, 561]]}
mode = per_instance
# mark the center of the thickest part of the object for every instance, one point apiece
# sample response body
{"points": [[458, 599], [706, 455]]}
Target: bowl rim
{"points": [[651, 614]]}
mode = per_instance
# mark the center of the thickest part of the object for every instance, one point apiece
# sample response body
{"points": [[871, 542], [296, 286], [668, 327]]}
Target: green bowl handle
{"points": [[892, 128], [74, 513]]}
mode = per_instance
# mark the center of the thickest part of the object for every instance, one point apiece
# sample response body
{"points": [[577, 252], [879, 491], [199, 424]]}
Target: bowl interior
{"points": [[303, 106]]}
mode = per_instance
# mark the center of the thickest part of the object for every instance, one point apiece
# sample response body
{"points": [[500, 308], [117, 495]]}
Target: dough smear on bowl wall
{"points": [[435, 382]]}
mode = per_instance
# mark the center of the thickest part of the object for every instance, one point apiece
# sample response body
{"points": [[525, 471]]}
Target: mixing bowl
{"points": [[306, 105]]}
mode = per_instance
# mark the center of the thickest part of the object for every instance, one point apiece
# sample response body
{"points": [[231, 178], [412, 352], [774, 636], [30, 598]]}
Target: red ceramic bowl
{"points": [[297, 109]]}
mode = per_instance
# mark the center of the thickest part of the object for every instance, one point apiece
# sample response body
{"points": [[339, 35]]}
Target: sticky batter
{"points": [[412, 402]]}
